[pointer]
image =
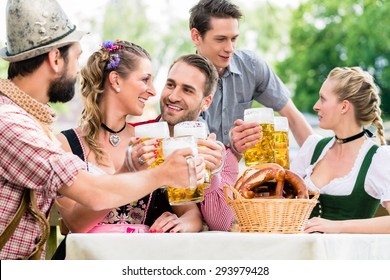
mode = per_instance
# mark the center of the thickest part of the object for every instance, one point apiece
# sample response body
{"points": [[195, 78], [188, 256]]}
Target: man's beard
{"points": [[62, 89], [191, 115]]}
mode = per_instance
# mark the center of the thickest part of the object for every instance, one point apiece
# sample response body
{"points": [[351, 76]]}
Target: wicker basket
{"points": [[270, 215]]}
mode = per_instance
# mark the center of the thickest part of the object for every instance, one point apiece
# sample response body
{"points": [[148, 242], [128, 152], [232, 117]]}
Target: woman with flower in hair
{"points": [[350, 170], [116, 82]]}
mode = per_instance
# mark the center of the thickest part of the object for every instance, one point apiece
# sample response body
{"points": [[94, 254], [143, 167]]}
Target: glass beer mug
{"points": [[192, 193], [263, 151], [281, 142], [199, 131], [148, 131]]}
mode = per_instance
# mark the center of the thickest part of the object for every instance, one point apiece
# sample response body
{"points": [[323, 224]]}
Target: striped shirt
{"points": [[28, 159], [215, 211]]}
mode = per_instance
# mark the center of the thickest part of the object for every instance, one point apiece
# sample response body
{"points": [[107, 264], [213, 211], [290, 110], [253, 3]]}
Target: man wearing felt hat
{"points": [[43, 50]]}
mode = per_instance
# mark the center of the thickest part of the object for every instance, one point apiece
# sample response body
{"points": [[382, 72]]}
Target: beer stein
{"points": [[158, 130], [192, 193], [263, 151], [199, 131], [281, 142]]}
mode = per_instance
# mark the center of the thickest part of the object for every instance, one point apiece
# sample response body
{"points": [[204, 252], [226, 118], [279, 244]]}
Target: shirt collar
{"points": [[232, 68]]}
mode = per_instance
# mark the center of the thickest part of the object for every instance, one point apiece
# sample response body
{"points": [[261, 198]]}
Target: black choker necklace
{"points": [[354, 137], [114, 138]]}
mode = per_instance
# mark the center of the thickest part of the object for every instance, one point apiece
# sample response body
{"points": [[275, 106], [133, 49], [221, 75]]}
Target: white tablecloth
{"points": [[227, 246]]}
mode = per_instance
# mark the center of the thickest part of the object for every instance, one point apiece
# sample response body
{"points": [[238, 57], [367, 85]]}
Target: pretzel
{"points": [[298, 184], [264, 174], [253, 169], [271, 181]]}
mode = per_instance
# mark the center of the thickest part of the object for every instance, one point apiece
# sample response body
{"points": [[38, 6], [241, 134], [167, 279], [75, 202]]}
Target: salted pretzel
{"points": [[273, 180]]}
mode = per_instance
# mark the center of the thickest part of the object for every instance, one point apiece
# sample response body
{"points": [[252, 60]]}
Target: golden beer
{"points": [[157, 130], [281, 149], [281, 142], [190, 194], [185, 196], [199, 131], [263, 151]]}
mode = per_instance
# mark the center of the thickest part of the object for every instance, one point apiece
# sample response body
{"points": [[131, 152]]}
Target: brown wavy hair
{"points": [[93, 78]]}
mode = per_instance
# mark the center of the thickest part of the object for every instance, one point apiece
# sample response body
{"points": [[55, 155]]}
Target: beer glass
{"points": [[263, 151], [148, 131], [199, 131], [192, 193], [281, 142]]}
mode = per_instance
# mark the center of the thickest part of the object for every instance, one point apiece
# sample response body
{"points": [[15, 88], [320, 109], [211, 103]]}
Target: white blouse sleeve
{"points": [[305, 153], [378, 179]]}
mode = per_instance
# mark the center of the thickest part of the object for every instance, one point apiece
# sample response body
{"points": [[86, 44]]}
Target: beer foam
{"points": [[194, 128], [280, 123], [172, 144], [152, 130], [260, 115]]}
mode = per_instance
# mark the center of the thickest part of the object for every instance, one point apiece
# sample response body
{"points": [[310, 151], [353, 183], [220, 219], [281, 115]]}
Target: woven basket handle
{"points": [[236, 194], [315, 195]]}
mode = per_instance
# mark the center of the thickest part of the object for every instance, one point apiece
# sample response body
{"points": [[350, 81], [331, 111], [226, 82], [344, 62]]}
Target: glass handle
{"points": [[191, 172]]}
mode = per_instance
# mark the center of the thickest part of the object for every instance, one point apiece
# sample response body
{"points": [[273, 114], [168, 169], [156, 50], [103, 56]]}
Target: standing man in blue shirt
{"points": [[243, 77]]}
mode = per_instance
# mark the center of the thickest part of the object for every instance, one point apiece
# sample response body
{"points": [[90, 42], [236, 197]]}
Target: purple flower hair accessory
{"points": [[111, 46], [114, 61]]}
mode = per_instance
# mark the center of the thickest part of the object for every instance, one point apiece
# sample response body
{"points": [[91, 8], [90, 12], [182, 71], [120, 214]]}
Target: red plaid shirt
{"points": [[28, 159]]}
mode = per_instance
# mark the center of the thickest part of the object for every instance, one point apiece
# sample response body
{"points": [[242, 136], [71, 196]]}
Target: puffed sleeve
{"points": [[305, 153], [378, 179]]}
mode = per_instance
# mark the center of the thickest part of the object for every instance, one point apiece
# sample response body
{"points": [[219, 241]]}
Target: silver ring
{"points": [[141, 161]]}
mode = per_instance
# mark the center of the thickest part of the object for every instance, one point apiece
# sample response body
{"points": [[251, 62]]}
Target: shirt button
{"points": [[226, 132]]}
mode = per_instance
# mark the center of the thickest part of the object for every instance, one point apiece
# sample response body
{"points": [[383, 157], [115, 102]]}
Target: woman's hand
{"points": [[168, 222], [143, 154], [322, 225]]}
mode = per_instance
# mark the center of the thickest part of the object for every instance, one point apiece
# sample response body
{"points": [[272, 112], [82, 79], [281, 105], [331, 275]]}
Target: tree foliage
{"points": [[329, 33]]}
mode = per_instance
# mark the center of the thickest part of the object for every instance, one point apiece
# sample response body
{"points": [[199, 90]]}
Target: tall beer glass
{"points": [[281, 142], [148, 131], [192, 193], [263, 151], [199, 131]]}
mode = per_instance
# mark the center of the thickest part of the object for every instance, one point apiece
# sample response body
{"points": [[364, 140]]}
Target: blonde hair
{"points": [[358, 87], [93, 78]]}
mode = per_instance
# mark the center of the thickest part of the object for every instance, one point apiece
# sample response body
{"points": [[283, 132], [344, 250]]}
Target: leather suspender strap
{"points": [[43, 224], [9, 230], [27, 198]]}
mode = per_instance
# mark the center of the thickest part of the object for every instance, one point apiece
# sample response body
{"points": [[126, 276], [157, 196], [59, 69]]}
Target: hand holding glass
{"points": [[199, 131], [158, 130], [263, 151], [192, 193]]}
